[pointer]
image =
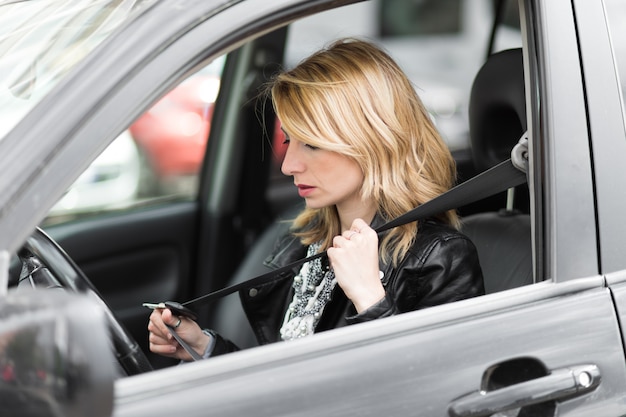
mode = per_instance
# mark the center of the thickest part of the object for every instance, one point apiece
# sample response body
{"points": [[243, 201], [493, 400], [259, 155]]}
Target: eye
{"points": [[311, 147]]}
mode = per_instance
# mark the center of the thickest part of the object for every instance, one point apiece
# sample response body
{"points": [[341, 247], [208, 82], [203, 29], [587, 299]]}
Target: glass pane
{"points": [[171, 137], [419, 17], [40, 41], [159, 156], [112, 181]]}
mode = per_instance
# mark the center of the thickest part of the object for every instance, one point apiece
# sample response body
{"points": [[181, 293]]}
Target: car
{"points": [[171, 136], [545, 340], [173, 133]]}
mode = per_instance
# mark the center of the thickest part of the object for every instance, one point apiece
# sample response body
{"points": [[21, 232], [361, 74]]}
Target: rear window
{"points": [[419, 18]]}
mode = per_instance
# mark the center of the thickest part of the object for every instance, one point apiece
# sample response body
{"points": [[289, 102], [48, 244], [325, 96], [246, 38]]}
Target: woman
{"points": [[362, 150]]}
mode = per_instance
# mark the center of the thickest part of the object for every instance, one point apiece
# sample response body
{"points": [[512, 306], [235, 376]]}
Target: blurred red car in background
{"points": [[173, 134]]}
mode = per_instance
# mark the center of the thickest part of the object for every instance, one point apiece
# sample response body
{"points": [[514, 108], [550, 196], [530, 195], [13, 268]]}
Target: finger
{"points": [[342, 240], [155, 339], [349, 234], [361, 226], [163, 349], [358, 224], [165, 316], [155, 325], [365, 231], [161, 345]]}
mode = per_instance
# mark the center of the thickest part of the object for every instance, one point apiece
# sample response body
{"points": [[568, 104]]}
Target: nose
{"points": [[292, 163]]}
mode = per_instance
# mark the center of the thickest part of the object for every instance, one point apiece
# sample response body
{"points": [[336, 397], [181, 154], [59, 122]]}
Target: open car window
{"points": [[157, 161], [160, 155]]}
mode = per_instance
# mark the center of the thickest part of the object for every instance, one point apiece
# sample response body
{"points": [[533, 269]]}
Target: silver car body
{"points": [[429, 362]]}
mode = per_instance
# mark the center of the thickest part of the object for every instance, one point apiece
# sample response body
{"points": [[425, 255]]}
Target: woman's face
{"points": [[323, 178]]}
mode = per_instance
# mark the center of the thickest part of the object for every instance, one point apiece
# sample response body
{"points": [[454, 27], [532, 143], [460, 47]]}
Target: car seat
{"points": [[497, 118]]}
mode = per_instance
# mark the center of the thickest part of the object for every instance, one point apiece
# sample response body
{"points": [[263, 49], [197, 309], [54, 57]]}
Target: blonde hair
{"points": [[352, 98]]}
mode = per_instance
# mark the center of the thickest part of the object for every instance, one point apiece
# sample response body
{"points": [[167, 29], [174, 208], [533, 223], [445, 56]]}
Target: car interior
{"points": [[161, 252], [499, 226], [497, 121], [502, 235]]}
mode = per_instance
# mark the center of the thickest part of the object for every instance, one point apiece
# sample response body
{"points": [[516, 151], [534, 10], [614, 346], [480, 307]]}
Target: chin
{"points": [[313, 205]]}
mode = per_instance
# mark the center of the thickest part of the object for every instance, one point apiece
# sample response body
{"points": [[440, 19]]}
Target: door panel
{"points": [[617, 284], [135, 257], [606, 121], [411, 364]]}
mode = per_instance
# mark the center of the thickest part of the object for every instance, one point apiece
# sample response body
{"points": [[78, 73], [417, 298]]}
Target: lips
{"points": [[304, 190]]}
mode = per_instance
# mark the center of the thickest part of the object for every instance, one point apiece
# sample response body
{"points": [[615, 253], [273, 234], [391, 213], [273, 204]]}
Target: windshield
{"points": [[41, 40]]}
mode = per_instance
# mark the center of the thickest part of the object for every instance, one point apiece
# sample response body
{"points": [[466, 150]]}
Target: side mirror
{"points": [[55, 356]]}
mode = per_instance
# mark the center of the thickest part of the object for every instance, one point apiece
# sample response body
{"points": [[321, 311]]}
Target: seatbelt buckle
{"points": [[177, 309]]}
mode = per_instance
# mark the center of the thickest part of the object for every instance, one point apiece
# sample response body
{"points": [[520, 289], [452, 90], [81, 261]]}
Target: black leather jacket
{"points": [[442, 266]]}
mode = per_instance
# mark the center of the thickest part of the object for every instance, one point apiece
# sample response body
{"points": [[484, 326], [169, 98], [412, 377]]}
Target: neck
{"points": [[363, 211]]}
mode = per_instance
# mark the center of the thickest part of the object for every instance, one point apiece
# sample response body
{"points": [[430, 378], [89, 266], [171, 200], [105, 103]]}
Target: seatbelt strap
{"points": [[497, 179], [194, 355]]}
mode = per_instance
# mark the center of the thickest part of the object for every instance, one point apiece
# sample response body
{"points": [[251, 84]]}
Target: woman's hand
{"points": [[354, 259], [163, 343]]}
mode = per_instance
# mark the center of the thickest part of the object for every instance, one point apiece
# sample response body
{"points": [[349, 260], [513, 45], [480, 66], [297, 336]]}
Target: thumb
{"points": [[169, 318]]}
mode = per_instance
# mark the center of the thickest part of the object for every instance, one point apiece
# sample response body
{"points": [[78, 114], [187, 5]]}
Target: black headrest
{"points": [[497, 108]]}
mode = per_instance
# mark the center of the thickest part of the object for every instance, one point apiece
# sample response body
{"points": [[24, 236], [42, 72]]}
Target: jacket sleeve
{"points": [[447, 270], [219, 345]]}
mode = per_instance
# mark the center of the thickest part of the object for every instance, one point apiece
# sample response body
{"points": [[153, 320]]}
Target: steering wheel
{"points": [[46, 265]]}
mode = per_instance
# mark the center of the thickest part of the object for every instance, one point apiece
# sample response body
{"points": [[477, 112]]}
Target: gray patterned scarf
{"points": [[313, 287]]}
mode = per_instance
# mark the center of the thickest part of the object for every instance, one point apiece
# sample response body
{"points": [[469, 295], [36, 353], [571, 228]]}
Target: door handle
{"points": [[561, 383]]}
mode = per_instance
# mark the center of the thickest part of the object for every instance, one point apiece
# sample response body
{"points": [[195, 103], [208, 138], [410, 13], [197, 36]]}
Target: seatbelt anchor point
{"points": [[519, 153]]}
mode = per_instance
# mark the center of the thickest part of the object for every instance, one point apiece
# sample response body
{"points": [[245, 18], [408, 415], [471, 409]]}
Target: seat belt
{"points": [[507, 174]]}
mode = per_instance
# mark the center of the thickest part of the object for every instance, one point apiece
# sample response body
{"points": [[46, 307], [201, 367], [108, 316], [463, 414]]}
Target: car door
{"points": [[606, 112]]}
